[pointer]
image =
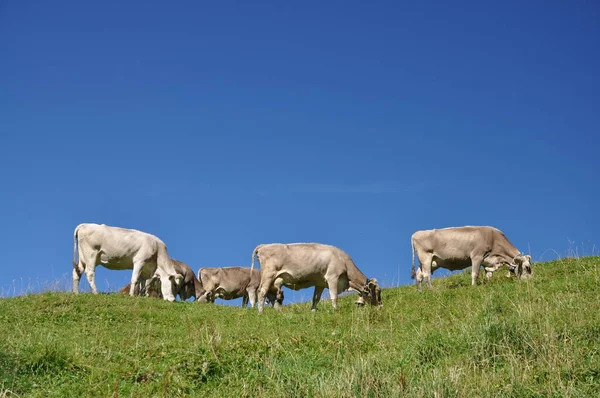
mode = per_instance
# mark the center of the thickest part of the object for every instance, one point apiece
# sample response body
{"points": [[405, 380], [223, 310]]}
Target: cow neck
{"points": [[356, 278], [198, 288], [509, 253], [508, 250]]}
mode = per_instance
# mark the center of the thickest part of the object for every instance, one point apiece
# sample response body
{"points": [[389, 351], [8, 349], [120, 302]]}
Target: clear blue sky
{"points": [[218, 126]]}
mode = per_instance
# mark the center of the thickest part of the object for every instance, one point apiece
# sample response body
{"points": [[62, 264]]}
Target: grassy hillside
{"points": [[505, 338]]}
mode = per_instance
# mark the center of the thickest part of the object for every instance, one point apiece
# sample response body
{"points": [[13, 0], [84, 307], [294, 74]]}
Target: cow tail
{"points": [[75, 246], [412, 246], [254, 254]]}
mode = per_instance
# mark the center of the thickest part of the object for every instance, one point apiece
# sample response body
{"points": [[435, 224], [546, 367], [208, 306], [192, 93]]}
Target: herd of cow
{"points": [[296, 265]]}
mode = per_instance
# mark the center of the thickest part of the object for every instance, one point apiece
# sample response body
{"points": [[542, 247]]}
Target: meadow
{"points": [[502, 338]]}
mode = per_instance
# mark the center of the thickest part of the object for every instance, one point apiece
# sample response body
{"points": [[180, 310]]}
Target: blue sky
{"points": [[218, 126]]}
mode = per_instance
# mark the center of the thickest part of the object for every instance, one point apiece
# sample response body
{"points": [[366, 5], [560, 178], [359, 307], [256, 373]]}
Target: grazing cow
{"points": [[191, 286], [229, 283], [301, 265], [461, 247], [119, 249]]}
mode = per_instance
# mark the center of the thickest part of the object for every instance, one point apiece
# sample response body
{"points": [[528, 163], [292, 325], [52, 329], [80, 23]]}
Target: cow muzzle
{"points": [[526, 274]]}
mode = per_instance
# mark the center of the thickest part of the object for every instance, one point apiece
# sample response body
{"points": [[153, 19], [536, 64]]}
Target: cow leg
{"points": [[425, 268], [143, 289], [279, 297], [262, 292], [332, 285], [475, 265], [90, 272], [252, 297], [316, 297], [76, 278], [276, 301], [278, 284], [79, 267], [135, 277], [265, 284], [418, 278], [85, 258]]}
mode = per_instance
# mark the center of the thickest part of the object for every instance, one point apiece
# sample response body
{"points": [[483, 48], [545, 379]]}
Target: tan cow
{"points": [[301, 265], [462, 247], [229, 283], [119, 249], [191, 286]]}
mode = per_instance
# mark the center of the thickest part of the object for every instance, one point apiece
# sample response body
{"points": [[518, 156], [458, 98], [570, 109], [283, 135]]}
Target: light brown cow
{"points": [[191, 286], [229, 283], [461, 247], [301, 265], [118, 249]]}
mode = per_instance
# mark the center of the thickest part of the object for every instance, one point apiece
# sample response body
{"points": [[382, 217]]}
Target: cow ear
{"points": [[528, 257]]}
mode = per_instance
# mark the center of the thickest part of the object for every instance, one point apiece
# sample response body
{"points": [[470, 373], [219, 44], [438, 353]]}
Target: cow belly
{"points": [[301, 284], [116, 263], [452, 264], [228, 294]]}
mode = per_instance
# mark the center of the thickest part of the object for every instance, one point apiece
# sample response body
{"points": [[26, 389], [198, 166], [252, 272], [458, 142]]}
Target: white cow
{"points": [[119, 249]]}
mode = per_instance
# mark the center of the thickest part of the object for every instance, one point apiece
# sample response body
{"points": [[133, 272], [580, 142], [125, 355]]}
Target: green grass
{"points": [[504, 338]]}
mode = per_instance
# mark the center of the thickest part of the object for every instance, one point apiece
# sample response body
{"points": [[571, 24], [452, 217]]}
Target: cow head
{"points": [[206, 297], [521, 266], [170, 286], [187, 290], [371, 292], [199, 291]]}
